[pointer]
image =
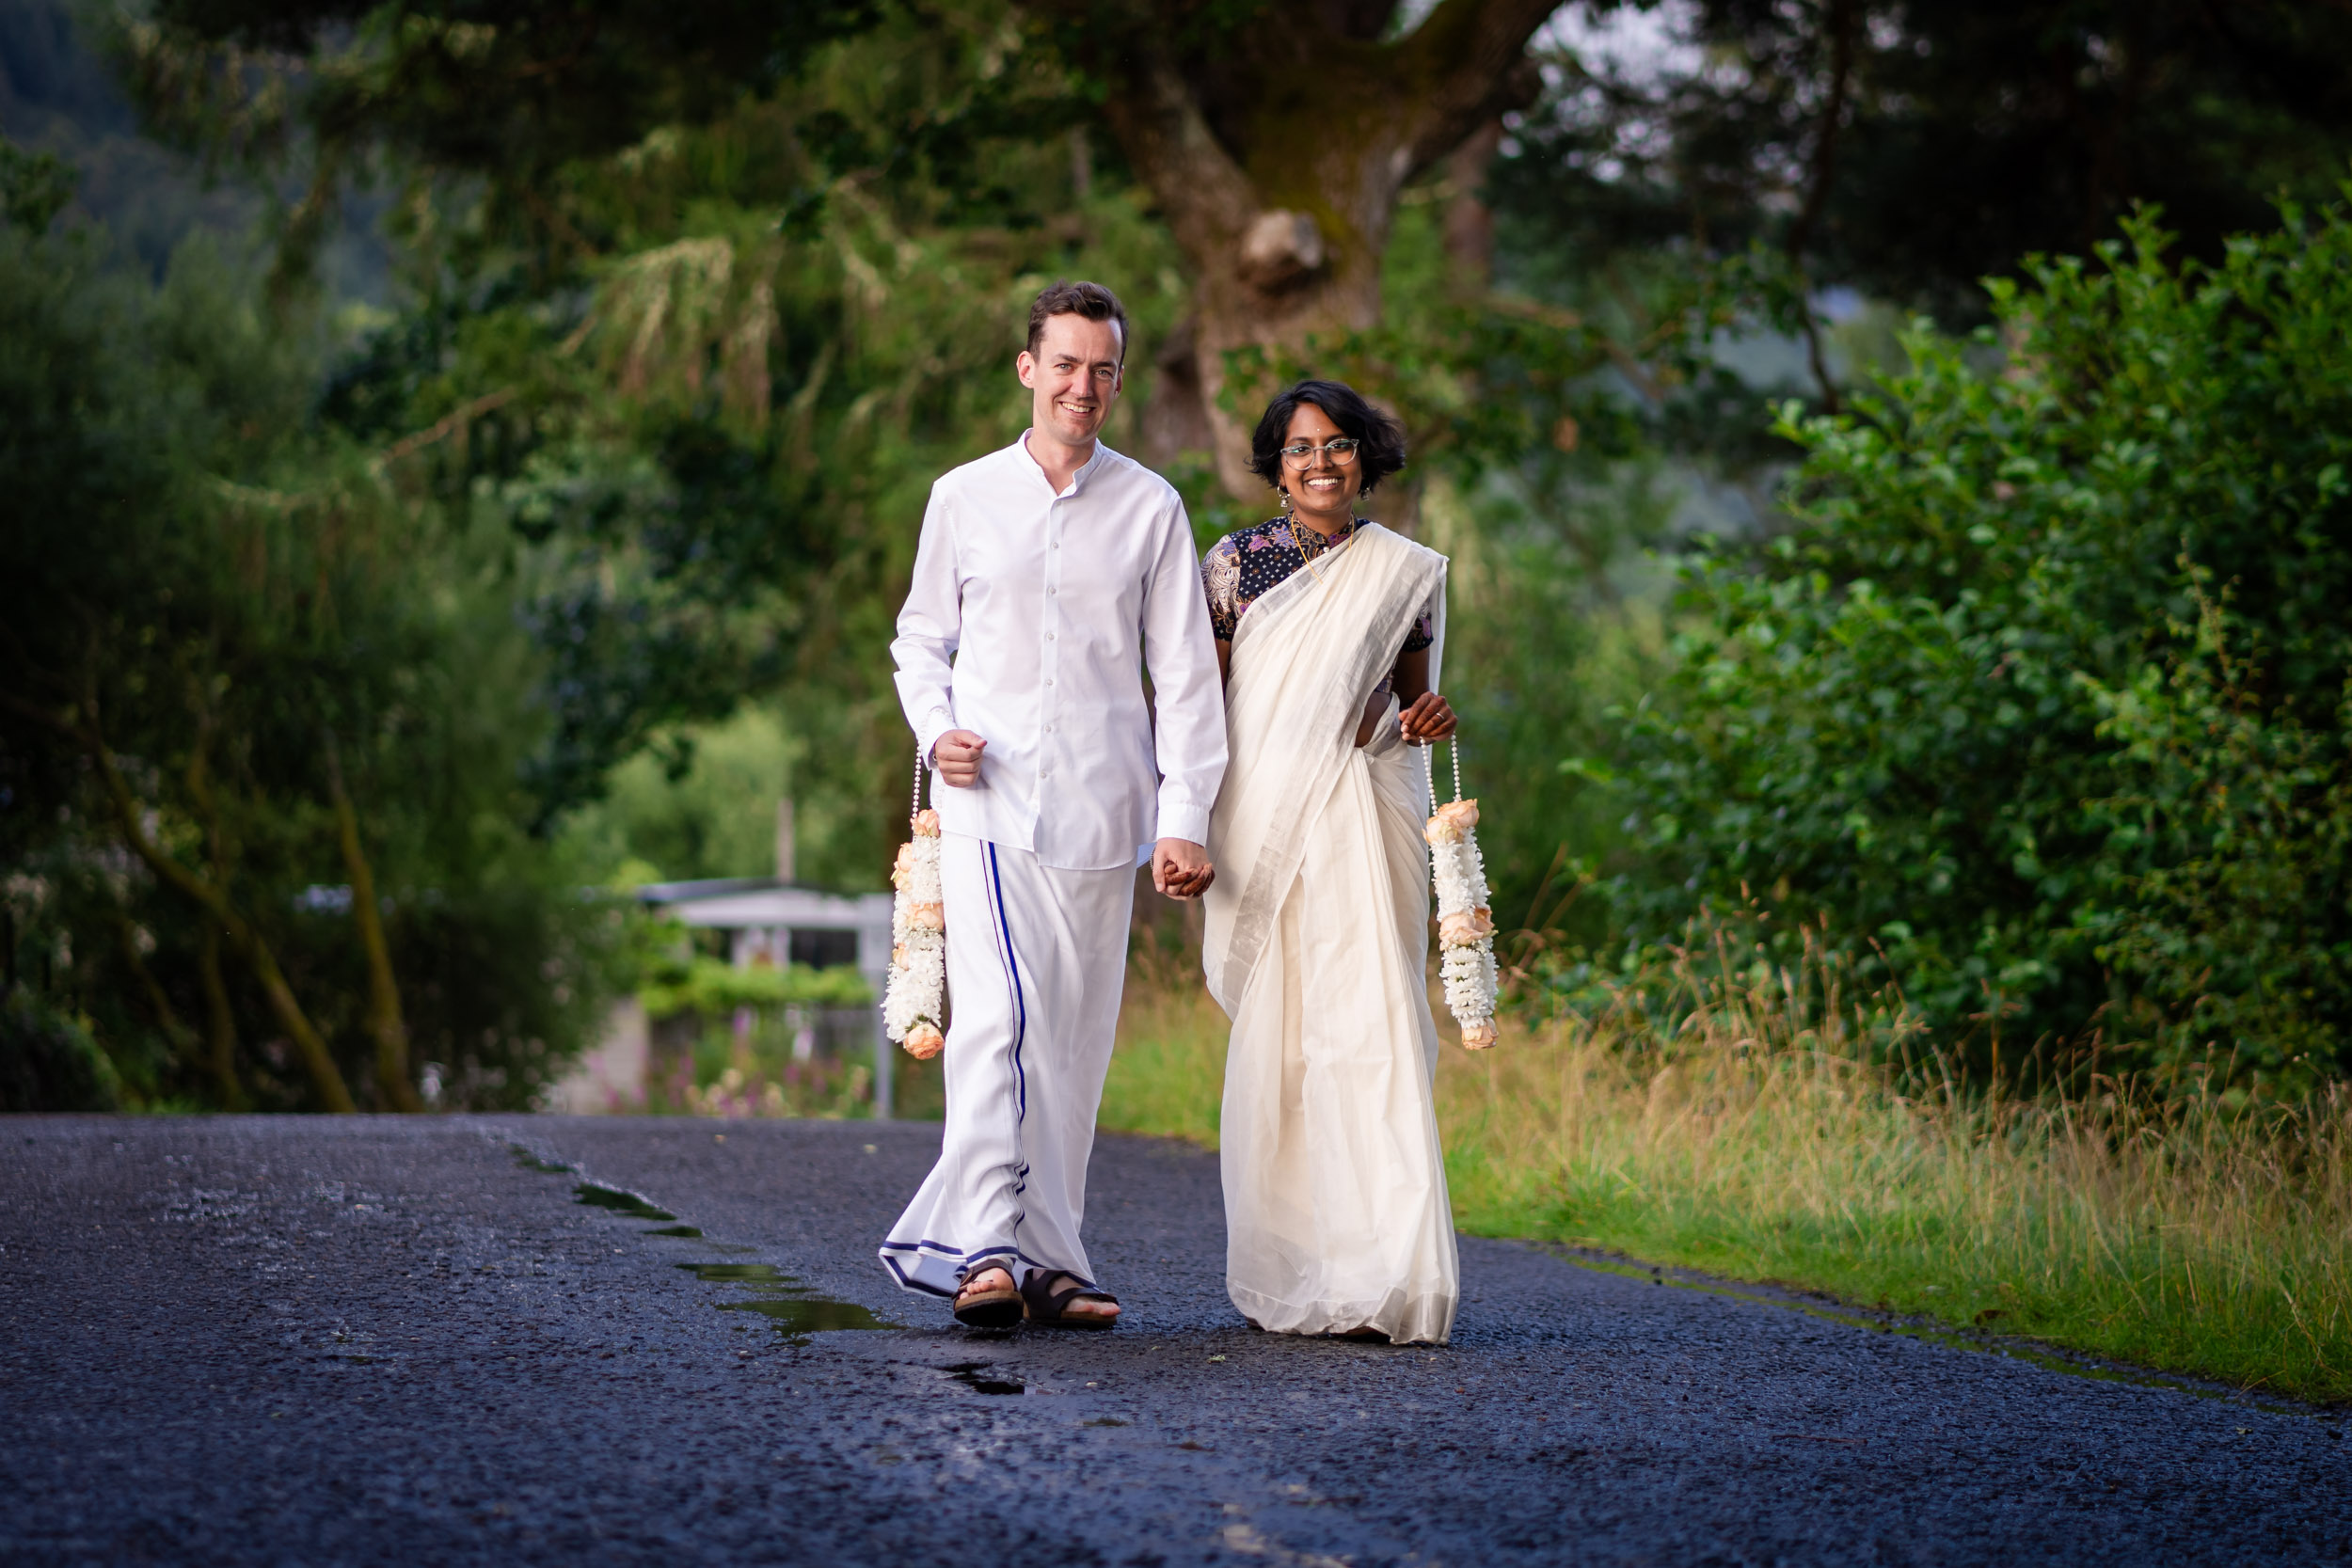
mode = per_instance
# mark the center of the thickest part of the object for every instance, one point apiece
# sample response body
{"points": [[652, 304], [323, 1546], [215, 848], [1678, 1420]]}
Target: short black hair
{"points": [[1382, 439], [1090, 300]]}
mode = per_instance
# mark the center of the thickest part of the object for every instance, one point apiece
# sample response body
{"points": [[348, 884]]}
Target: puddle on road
{"points": [[738, 1273], [618, 1201], [795, 1316], [796, 1311], [598, 1195], [982, 1377]]}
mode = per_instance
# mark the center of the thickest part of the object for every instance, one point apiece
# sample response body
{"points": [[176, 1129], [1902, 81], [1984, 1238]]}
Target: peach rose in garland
{"points": [[1451, 823], [1466, 930]]}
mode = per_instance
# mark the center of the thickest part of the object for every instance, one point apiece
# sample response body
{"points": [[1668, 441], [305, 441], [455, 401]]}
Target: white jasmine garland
{"points": [[916, 1000], [1466, 924]]}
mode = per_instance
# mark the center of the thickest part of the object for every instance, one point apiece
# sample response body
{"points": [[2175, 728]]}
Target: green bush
{"points": [[1952, 716], [48, 1061], [2236, 937], [713, 988]]}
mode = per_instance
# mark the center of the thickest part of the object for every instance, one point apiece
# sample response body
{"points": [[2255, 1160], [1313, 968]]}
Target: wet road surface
{"points": [[461, 1340]]}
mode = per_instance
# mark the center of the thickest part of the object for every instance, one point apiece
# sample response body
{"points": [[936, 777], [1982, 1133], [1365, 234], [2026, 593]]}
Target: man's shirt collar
{"points": [[1077, 480]]}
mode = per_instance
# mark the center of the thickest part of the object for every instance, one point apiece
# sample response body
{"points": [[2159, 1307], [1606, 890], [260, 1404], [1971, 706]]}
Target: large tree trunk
{"points": [[1470, 223], [1276, 151]]}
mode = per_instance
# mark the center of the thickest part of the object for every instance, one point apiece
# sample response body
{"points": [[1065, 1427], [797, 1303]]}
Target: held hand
{"points": [[1181, 868], [1430, 718], [956, 755]]}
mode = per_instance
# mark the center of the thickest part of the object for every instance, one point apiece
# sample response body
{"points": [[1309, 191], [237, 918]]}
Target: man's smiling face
{"points": [[1073, 377]]}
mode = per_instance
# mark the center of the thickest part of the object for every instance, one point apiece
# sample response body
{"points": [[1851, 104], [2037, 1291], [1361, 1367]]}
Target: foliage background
{"points": [[2041, 696], [536, 473]]}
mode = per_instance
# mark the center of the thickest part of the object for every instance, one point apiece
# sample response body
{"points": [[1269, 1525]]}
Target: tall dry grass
{"points": [[1760, 1124]]}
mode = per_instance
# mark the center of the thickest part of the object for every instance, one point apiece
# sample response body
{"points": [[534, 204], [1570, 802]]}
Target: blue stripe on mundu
{"points": [[911, 1282], [1021, 1029], [921, 1281]]}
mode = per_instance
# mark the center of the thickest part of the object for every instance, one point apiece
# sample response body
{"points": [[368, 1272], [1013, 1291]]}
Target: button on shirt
{"points": [[1030, 621]]}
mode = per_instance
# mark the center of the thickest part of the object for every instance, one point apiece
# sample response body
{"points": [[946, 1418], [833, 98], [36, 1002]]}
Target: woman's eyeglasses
{"points": [[1341, 449]]}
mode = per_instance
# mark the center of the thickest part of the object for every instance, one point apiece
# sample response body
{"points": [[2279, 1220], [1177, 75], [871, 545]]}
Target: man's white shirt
{"points": [[1029, 621]]}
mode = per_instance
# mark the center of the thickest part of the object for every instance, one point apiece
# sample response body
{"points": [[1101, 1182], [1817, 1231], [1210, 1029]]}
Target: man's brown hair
{"points": [[1090, 300]]}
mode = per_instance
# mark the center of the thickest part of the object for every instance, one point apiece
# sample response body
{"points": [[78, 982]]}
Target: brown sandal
{"points": [[1050, 1309], [997, 1308]]}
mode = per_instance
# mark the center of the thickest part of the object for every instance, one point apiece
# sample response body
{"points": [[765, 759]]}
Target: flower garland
{"points": [[916, 1000], [1466, 924]]}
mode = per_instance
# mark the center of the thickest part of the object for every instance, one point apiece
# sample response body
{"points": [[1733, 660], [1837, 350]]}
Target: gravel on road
{"points": [[538, 1339]]}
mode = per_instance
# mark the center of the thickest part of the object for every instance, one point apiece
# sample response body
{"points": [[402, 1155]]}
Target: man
{"points": [[1049, 574]]}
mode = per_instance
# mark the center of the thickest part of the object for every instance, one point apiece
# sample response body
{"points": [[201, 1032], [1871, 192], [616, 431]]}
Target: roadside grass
{"points": [[1168, 1071], [1745, 1123]]}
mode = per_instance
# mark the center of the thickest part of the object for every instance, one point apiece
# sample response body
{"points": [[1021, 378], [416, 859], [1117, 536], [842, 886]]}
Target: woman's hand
{"points": [[1181, 868], [1430, 718]]}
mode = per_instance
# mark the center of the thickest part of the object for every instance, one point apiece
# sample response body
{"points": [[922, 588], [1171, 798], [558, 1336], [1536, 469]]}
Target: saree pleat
{"points": [[1335, 1199]]}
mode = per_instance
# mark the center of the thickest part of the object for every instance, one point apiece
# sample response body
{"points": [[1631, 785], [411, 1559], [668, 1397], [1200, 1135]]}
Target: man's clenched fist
{"points": [[955, 756]]}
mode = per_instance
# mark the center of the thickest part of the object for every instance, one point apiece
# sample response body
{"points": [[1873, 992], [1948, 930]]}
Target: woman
{"points": [[1329, 630]]}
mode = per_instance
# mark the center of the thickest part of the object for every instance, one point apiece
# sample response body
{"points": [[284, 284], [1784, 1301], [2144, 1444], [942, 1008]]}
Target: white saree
{"points": [[1317, 948]]}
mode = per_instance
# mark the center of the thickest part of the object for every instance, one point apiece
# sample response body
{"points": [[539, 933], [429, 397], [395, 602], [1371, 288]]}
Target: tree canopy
{"points": [[262, 716], [1909, 149]]}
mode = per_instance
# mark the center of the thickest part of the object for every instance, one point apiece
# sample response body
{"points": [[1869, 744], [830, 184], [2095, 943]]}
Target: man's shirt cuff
{"points": [[1181, 818], [937, 724]]}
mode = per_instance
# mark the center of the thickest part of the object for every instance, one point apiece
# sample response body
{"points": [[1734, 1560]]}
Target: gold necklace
{"points": [[1323, 545]]}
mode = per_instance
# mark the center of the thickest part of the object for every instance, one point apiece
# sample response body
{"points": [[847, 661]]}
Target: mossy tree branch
{"points": [[385, 1026], [220, 1021]]}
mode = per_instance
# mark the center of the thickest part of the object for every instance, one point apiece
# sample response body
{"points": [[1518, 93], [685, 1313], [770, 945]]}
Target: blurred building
{"points": [[765, 921]]}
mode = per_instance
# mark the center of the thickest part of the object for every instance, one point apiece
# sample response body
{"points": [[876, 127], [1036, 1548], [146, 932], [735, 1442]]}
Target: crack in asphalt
{"points": [[251, 1339]]}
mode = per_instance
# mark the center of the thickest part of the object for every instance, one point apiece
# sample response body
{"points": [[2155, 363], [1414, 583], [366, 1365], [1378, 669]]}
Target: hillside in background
{"points": [[59, 93]]}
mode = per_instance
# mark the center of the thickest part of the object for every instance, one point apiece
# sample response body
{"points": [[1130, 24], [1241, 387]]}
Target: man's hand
{"points": [[1430, 718], [955, 756], [1181, 868]]}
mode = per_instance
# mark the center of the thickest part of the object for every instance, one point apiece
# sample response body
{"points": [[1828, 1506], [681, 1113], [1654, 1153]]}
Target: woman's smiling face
{"points": [[1326, 488]]}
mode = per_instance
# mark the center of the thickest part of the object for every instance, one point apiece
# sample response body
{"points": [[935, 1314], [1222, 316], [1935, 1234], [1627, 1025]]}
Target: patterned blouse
{"points": [[1243, 565]]}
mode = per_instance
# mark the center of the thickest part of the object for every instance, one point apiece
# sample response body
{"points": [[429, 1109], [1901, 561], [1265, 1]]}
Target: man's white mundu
{"points": [[1317, 946], [1029, 621]]}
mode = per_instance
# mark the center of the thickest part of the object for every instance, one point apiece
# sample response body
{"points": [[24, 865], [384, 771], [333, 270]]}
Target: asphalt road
{"points": [[392, 1341]]}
